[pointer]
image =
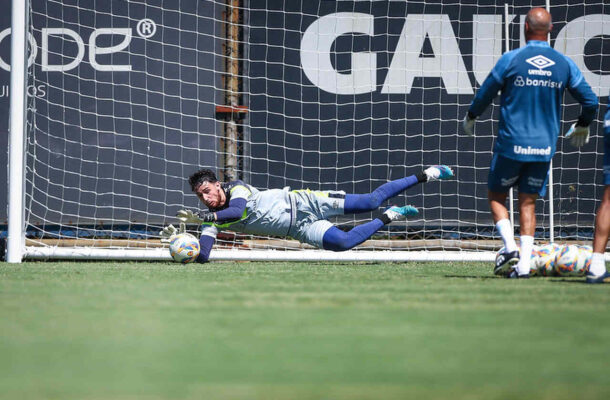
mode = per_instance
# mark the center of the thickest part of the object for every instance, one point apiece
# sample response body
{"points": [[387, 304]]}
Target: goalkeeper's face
{"points": [[211, 194]]}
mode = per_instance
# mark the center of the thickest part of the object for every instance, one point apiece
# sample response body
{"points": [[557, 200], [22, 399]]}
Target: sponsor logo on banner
{"points": [[32, 90], [443, 59], [145, 28]]}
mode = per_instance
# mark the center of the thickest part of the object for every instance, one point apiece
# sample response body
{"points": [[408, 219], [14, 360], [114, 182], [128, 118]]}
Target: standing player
{"points": [[300, 214], [597, 272], [532, 80]]}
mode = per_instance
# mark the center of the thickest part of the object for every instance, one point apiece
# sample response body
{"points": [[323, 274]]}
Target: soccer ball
{"points": [[585, 253], [184, 248], [544, 261], [567, 262]]}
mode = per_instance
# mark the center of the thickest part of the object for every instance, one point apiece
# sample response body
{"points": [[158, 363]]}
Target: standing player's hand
{"points": [[168, 233], [468, 125], [578, 135], [190, 217]]}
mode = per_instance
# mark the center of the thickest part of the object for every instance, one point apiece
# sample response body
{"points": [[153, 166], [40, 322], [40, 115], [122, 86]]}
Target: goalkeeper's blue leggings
{"points": [[336, 240]]}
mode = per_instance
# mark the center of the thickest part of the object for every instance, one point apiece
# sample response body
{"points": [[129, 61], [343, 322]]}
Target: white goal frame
{"points": [[17, 249]]}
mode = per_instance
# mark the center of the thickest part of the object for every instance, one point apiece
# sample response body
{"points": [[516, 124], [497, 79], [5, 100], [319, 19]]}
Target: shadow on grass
{"points": [[471, 277], [578, 280]]}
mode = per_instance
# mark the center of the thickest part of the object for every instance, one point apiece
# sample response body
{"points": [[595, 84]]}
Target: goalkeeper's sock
{"points": [[508, 236], [357, 203], [525, 255], [336, 240], [598, 264]]}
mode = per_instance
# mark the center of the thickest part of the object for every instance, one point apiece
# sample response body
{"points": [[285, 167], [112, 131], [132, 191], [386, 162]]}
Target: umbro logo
{"points": [[540, 62]]}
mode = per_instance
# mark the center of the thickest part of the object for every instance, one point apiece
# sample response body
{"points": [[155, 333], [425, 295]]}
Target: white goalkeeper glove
{"points": [[168, 233], [578, 135], [468, 125], [190, 217]]}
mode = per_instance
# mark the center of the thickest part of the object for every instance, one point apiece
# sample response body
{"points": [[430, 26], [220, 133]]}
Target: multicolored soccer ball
{"points": [[573, 260], [544, 261], [184, 248], [585, 254]]}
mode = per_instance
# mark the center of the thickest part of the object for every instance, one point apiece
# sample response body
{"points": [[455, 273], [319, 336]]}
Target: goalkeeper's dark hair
{"points": [[203, 175]]}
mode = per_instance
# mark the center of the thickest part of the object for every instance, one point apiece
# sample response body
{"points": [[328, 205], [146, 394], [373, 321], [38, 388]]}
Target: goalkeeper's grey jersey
{"points": [[281, 212], [267, 212]]}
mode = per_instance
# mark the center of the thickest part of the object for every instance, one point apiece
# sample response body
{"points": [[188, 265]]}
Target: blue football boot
{"points": [[605, 278], [400, 213], [438, 172]]}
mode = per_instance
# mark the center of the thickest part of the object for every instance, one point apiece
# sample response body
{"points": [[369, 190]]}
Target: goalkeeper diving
{"points": [[299, 214]]}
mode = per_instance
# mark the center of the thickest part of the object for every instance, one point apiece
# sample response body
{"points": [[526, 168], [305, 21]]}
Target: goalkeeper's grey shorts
{"points": [[311, 211]]}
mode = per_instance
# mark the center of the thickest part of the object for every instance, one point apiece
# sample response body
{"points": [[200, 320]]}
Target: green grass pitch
{"points": [[110, 330]]}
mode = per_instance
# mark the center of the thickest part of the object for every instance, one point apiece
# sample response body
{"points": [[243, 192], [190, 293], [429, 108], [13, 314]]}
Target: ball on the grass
{"points": [[566, 263], [545, 258], [585, 253], [184, 248]]}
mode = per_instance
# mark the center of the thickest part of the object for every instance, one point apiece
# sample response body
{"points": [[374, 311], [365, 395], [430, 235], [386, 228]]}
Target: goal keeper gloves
{"points": [[578, 135], [190, 217], [468, 124], [168, 233]]}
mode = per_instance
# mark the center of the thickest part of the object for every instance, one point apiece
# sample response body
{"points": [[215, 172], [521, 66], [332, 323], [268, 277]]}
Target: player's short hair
{"points": [[203, 175]]}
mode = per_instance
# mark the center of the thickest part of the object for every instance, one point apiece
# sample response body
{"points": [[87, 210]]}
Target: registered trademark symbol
{"points": [[146, 28]]}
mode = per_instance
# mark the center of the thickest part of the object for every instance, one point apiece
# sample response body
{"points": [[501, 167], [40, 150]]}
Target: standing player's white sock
{"points": [[527, 243], [598, 264], [508, 235]]}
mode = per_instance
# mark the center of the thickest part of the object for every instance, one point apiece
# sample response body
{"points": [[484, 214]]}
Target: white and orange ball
{"points": [[573, 260], [585, 253], [544, 261], [184, 248]]}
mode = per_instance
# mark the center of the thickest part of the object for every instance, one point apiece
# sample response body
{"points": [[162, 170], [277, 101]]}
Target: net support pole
{"points": [[550, 187], [16, 212], [231, 138], [511, 206]]}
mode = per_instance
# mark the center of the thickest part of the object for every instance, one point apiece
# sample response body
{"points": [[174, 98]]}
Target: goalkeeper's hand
{"points": [[468, 125], [578, 135], [168, 233], [190, 217]]}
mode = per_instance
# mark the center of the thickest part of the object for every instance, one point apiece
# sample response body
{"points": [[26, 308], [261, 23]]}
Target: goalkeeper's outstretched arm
{"points": [[233, 212]]}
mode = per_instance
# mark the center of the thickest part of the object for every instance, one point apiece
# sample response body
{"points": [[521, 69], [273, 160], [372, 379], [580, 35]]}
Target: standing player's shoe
{"points": [[605, 278], [505, 262], [400, 213], [438, 172]]}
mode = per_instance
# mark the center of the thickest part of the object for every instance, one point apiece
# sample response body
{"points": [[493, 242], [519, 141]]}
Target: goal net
{"points": [[127, 99]]}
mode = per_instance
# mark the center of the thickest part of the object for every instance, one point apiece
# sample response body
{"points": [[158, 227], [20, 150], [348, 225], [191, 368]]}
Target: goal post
{"points": [[122, 101], [16, 205]]}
